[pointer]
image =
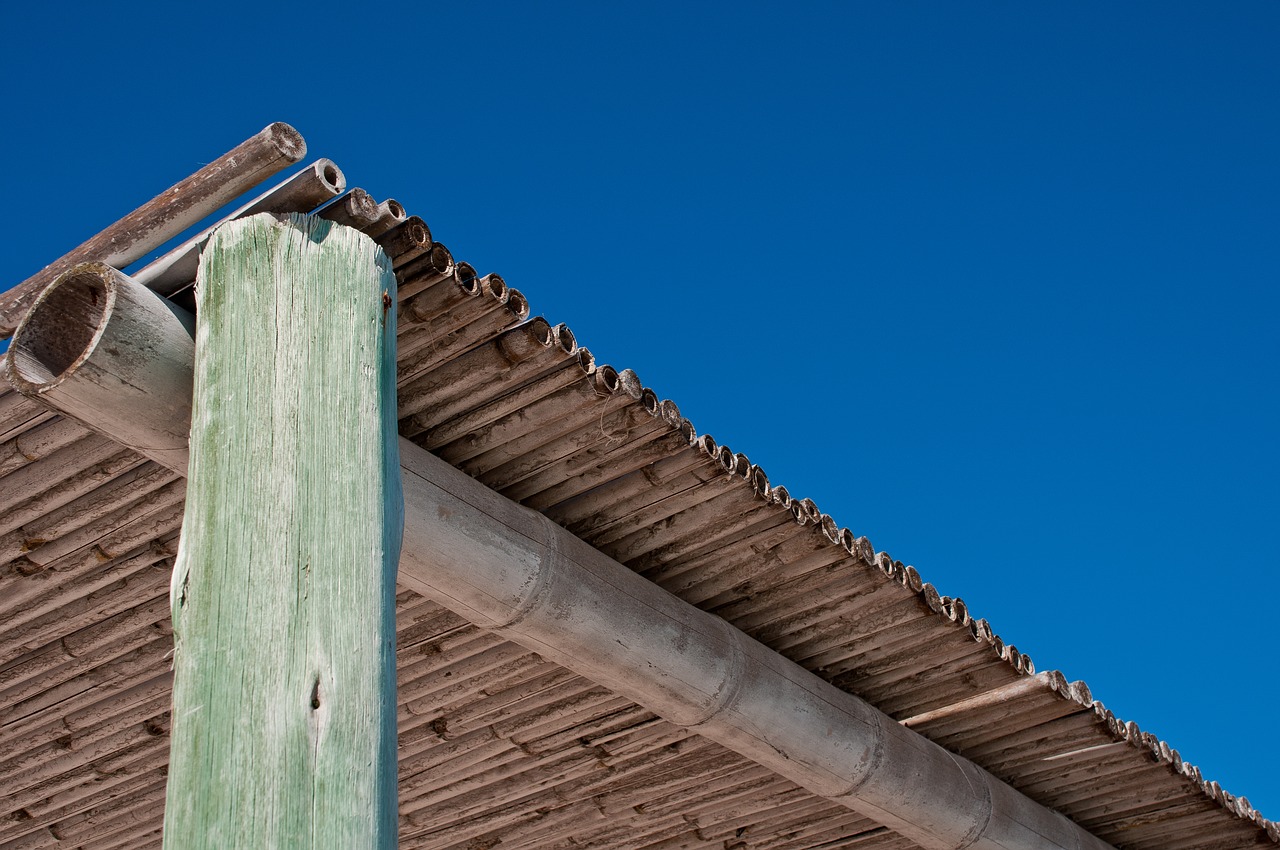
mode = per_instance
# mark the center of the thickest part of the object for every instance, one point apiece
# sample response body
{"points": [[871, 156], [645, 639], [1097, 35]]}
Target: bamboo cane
{"points": [[356, 209], [314, 185], [166, 215], [391, 214]]}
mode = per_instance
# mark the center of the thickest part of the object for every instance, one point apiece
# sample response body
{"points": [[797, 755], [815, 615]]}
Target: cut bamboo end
{"points": [[406, 241], [517, 304], [355, 209], [287, 141], [495, 287], [77, 351], [43, 354]]}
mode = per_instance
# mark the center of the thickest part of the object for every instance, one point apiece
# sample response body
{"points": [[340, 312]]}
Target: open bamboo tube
{"points": [[513, 571]]}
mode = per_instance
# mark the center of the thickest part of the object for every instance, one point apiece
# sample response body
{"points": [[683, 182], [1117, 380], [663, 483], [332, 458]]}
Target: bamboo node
{"points": [[26, 567]]}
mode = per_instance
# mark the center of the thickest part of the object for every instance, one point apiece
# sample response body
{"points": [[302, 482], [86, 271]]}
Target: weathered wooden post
{"points": [[283, 597]]}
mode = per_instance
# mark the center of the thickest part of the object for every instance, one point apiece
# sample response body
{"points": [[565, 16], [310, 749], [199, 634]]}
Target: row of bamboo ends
{"points": [[420, 264], [430, 278]]}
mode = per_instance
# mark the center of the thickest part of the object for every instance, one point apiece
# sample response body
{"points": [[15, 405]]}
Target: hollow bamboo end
{"points": [[517, 304], [62, 327], [331, 176], [495, 287]]}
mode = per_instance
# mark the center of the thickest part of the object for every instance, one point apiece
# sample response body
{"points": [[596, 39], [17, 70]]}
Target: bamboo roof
{"points": [[499, 748]]}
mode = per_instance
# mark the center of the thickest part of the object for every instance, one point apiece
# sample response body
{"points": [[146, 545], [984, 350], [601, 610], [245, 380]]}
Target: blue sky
{"points": [[994, 283]]}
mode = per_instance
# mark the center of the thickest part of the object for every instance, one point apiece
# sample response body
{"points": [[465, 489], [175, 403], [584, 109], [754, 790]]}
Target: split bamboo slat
{"points": [[498, 747]]}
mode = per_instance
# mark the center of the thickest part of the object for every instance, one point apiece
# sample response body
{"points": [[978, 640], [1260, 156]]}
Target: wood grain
{"points": [[284, 593]]}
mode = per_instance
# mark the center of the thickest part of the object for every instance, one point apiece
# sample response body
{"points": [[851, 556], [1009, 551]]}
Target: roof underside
{"points": [[498, 747]]}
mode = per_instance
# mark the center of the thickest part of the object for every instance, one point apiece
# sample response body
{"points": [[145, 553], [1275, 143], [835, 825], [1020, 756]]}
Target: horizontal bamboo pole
{"points": [[417, 271], [89, 568], [167, 214], [391, 214], [38, 443], [25, 496], [432, 350], [524, 578], [316, 184], [406, 242], [18, 413], [356, 209], [110, 313]]}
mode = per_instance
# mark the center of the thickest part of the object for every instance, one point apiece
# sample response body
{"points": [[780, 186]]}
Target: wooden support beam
{"points": [[283, 596], [513, 571]]}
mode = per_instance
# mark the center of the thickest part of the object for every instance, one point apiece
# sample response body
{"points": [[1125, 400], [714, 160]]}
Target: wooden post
{"points": [[283, 597]]}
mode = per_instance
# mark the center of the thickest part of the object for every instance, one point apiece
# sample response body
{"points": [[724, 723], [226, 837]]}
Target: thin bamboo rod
{"points": [[167, 490], [24, 492], [316, 184], [433, 351], [417, 272], [125, 487], [91, 713], [18, 413], [390, 215], [451, 387], [356, 209], [567, 479], [627, 492], [406, 241], [573, 377], [166, 215], [58, 663], [39, 443], [134, 661], [543, 419], [91, 567]]}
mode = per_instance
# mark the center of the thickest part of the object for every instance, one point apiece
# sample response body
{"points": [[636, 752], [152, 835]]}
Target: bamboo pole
{"points": [[406, 241], [284, 593], [510, 570], [167, 214], [145, 326], [391, 214], [355, 209], [319, 182]]}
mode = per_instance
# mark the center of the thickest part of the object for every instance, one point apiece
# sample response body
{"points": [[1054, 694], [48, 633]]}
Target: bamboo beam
{"points": [[167, 214], [283, 596], [512, 571], [133, 327]]}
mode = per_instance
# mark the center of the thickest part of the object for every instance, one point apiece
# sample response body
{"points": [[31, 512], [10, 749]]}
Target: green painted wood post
{"points": [[284, 709]]}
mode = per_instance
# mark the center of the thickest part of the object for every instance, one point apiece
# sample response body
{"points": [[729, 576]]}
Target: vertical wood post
{"points": [[284, 718]]}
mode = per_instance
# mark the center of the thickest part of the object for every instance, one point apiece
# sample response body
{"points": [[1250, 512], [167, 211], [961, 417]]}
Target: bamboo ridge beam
{"points": [[283, 595], [511, 570], [167, 214]]}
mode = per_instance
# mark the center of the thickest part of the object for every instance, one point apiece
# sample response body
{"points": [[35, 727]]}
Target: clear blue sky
{"points": [[994, 283]]}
